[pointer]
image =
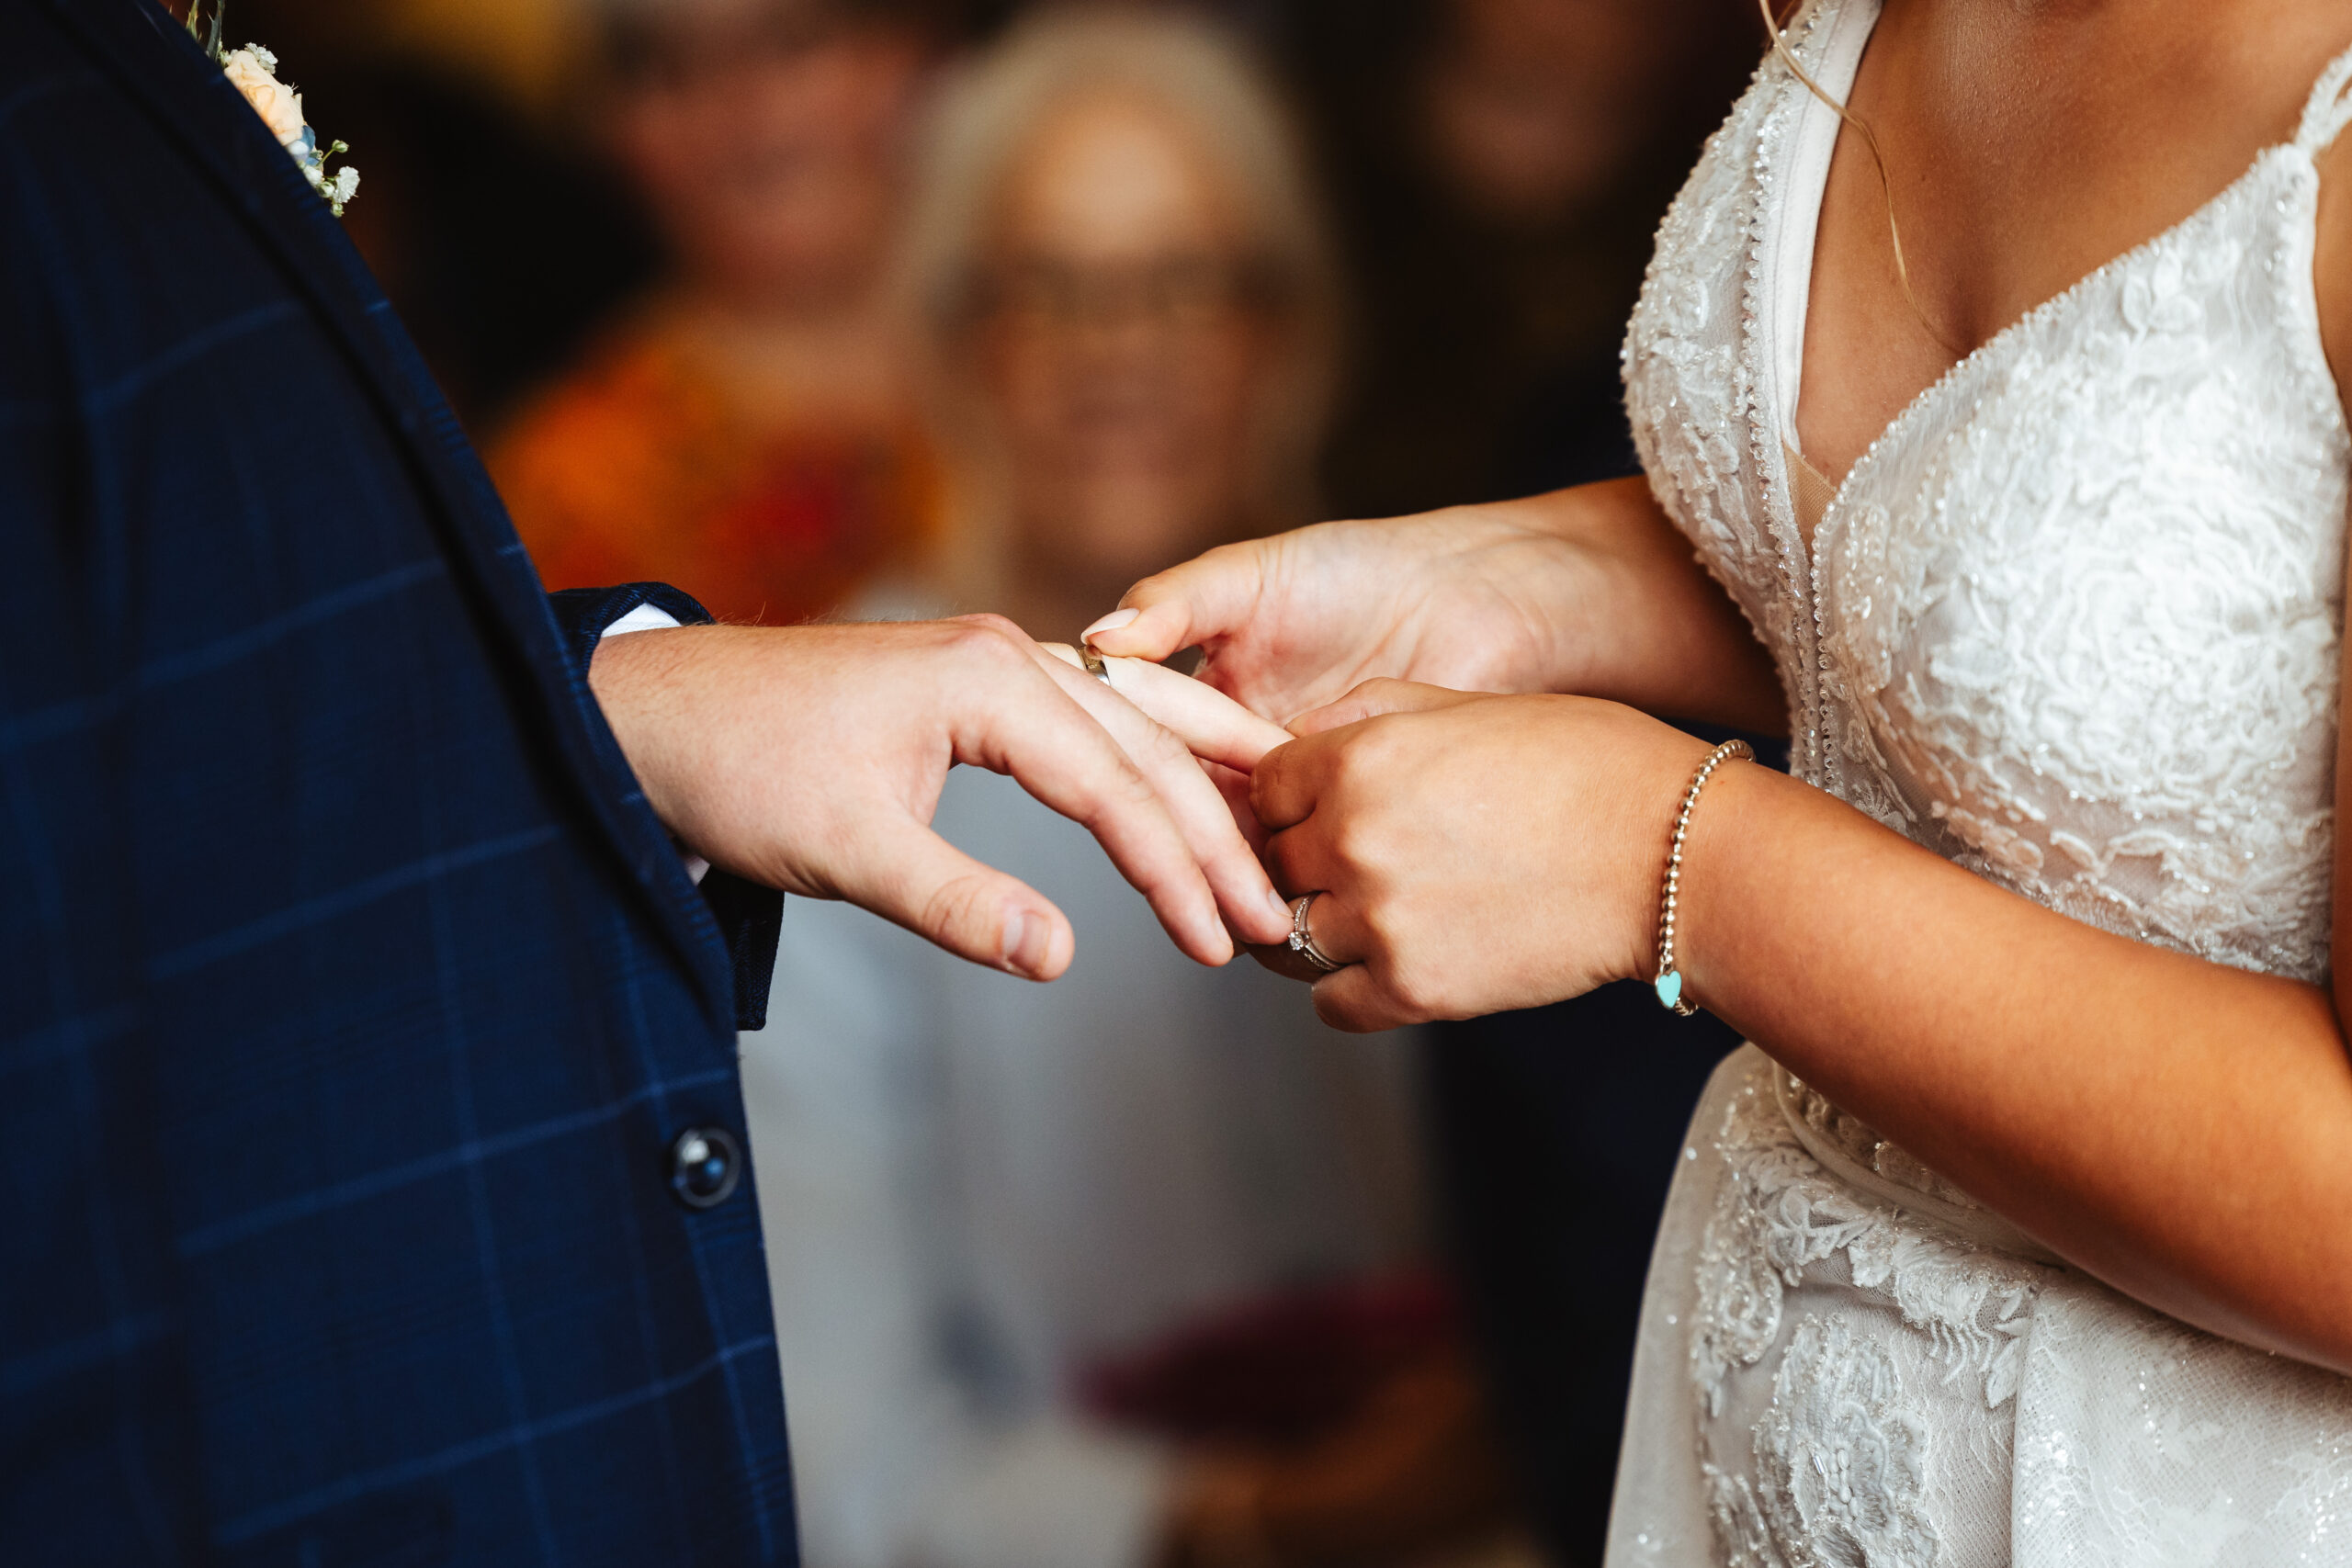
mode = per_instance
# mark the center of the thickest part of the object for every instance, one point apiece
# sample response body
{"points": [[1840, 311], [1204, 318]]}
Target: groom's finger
{"points": [[1252, 907], [1206, 598], [1213, 724], [1012, 718], [1235, 789], [909, 874]]}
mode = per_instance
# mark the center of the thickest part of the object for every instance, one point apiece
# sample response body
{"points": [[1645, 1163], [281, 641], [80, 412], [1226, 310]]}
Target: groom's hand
{"points": [[811, 759]]}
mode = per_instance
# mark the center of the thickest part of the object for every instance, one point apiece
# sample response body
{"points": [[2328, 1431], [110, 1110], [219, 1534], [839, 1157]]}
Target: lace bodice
{"points": [[2073, 623], [2073, 620]]}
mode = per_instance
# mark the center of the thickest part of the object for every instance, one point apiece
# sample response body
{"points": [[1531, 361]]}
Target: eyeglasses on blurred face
{"points": [[1177, 292]]}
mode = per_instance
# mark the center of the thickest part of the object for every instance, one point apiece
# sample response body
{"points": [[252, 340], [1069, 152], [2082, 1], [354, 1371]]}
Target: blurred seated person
{"points": [[745, 432], [1125, 1270]]}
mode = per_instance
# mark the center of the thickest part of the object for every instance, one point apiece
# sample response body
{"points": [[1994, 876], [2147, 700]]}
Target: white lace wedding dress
{"points": [[2072, 621]]}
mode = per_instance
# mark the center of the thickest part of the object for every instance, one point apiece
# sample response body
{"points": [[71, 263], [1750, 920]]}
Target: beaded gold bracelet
{"points": [[1668, 983]]}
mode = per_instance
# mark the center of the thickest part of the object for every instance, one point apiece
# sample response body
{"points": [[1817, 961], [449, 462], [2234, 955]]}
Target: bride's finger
{"points": [[1337, 932], [1338, 937], [1290, 779], [1373, 698], [1354, 999], [1205, 598], [1301, 863], [1250, 906], [1216, 727]]}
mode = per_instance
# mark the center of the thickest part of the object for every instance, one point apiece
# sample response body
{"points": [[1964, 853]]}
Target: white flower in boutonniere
{"points": [[253, 71]]}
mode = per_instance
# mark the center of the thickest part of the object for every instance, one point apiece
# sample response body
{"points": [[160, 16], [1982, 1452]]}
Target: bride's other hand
{"points": [[1587, 590], [1475, 853]]}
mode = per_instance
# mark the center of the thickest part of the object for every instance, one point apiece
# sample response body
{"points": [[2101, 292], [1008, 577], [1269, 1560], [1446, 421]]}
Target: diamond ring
{"points": [[1302, 940]]}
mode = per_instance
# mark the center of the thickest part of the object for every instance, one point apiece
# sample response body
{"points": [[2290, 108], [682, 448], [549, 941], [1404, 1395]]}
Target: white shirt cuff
{"points": [[644, 618], [653, 618]]}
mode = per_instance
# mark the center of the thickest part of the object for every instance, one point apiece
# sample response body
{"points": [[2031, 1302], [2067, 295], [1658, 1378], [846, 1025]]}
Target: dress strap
{"points": [[2329, 109]]}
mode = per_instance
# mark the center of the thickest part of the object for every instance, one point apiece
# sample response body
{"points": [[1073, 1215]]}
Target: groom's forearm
{"points": [[1644, 623]]}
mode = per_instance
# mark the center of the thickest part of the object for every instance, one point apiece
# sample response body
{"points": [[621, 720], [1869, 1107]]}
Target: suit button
{"points": [[706, 1166]]}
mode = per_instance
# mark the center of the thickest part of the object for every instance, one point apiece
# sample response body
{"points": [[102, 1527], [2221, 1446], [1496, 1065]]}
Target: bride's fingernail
{"points": [[1109, 623], [1026, 937]]}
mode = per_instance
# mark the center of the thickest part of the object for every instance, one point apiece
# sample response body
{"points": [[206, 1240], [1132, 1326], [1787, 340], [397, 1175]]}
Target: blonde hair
{"points": [[987, 117]]}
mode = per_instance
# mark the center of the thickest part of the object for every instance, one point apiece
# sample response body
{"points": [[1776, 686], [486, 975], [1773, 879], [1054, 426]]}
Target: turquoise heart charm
{"points": [[1670, 988]]}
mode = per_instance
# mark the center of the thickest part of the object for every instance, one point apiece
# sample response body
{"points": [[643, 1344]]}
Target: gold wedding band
{"points": [[1302, 940], [1094, 665]]}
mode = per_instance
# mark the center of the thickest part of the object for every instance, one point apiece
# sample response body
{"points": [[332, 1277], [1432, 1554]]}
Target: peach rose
{"points": [[251, 72]]}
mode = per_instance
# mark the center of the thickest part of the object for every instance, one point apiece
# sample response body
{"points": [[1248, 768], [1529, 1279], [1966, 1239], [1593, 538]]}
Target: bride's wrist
{"points": [[1563, 588], [1704, 884], [1669, 974]]}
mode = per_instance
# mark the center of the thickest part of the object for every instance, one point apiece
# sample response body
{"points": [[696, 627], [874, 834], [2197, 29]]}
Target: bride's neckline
{"points": [[1929, 395]]}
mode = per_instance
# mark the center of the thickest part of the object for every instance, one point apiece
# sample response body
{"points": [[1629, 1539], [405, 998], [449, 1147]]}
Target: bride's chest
{"points": [[2074, 619]]}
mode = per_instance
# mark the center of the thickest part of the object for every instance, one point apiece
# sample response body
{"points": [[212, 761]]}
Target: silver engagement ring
{"points": [[1302, 940]]}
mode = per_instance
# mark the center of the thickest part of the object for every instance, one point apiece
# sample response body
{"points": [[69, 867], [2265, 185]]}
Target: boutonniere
{"points": [[253, 71]]}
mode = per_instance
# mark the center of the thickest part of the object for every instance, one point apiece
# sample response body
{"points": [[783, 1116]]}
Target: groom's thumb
{"points": [[915, 877]]}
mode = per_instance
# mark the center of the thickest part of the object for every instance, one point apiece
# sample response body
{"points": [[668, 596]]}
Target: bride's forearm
{"points": [[2179, 1129], [1646, 625]]}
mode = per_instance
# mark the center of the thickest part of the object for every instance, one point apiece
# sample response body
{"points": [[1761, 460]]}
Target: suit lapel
{"points": [[162, 70]]}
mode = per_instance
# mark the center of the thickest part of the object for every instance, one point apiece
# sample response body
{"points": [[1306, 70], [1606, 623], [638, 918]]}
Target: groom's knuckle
{"points": [[1163, 748], [952, 904], [990, 623], [1113, 787], [1135, 789], [985, 639]]}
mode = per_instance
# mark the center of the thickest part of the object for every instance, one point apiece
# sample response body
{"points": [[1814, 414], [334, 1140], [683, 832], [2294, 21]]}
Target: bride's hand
{"points": [[1587, 590], [1475, 854], [1465, 597]]}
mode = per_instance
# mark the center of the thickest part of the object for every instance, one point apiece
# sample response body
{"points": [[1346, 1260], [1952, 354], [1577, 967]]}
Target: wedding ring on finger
{"points": [[1302, 940], [1094, 665]]}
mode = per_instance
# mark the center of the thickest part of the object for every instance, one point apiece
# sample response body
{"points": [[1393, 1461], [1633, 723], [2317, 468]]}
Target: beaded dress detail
{"points": [[2072, 621]]}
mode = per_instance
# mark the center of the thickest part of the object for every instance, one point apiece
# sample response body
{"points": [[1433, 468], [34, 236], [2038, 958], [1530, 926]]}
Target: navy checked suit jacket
{"points": [[350, 997]]}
